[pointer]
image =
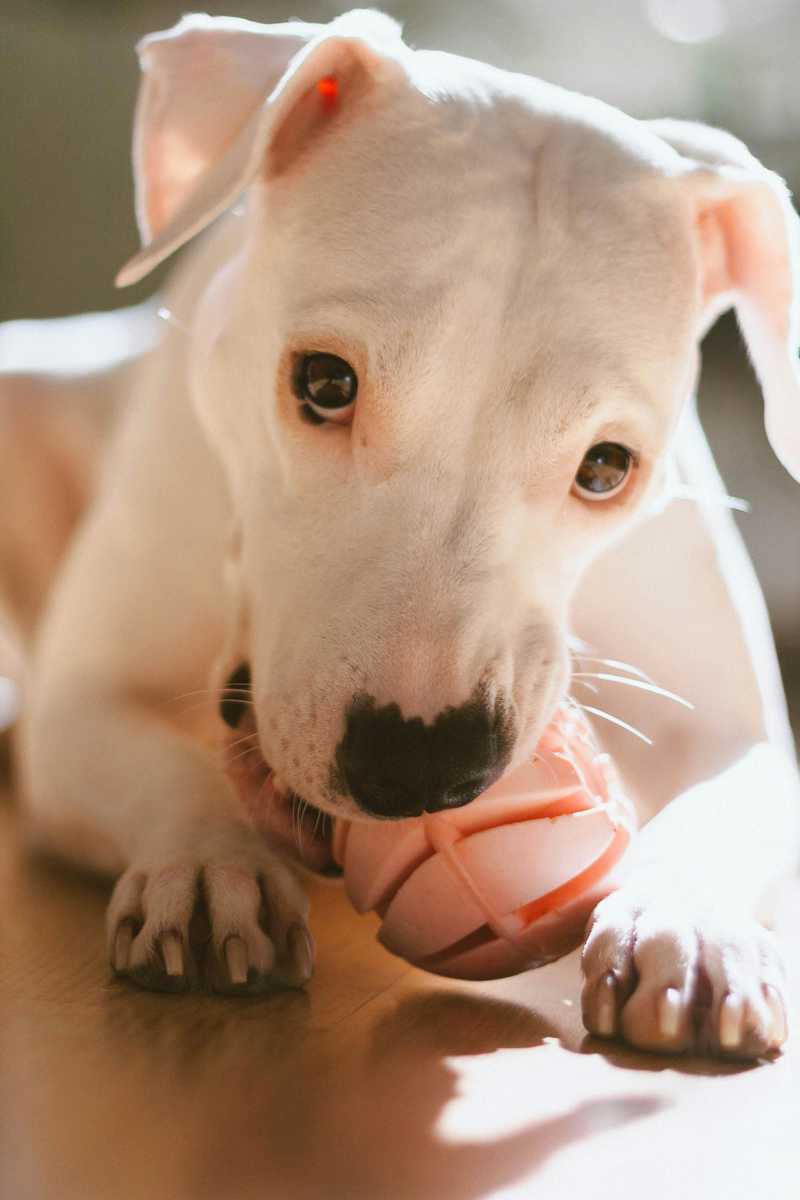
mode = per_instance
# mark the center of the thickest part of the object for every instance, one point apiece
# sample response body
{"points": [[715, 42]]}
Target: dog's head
{"points": [[442, 368]]}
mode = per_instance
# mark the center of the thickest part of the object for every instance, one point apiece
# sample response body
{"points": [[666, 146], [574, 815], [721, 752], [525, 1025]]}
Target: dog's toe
{"points": [[229, 916], [638, 975], [673, 980], [746, 983], [148, 925], [260, 939]]}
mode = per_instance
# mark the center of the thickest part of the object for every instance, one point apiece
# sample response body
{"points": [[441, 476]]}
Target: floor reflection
{"points": [[378, 1082]]}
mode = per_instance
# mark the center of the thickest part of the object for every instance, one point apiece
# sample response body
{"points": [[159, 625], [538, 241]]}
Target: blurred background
{"points": [[68, 79]]}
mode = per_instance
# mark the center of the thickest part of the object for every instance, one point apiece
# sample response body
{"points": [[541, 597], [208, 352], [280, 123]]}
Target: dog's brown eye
{"points": [[604, 471], [327, 385]]}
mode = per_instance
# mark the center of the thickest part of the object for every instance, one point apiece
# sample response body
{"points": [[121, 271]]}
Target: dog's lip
{"points": [[311, 831], [280, 814], [289, 821]]}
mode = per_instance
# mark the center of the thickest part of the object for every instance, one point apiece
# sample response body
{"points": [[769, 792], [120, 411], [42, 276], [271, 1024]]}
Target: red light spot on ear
{"points": [[328, 89]]}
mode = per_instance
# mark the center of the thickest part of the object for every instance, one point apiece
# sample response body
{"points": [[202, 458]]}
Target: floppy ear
{"points": [[221, 97], [748, 237]]}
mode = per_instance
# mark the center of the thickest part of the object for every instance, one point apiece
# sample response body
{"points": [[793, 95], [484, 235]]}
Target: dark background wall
{"points": [[68, 79]]}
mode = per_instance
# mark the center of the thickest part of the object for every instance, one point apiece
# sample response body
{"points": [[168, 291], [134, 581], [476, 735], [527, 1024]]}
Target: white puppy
{"points": [[417, 391]]}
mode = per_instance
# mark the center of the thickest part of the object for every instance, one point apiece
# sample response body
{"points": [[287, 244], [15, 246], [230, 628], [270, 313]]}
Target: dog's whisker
{"points": [[293, 819], [248, 749], [242, 754], [616, 663], [681, 491], [300, 809], [209, 692], [251, 738], [576, 767], [576, 644], [317, 821], [260, 795], [581, 676], [193, 708], [586, 684], [247, 737], [599, 712], [213, 695], [544, 759]]}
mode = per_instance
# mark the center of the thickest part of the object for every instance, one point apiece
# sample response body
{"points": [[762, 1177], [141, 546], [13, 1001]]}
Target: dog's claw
{"points": [[685, 981], [669, 1012], [211, 918], [301, 952], [778, 1029], [122, 947], [236, 959], [172, 950], [605, 1020], [731, 1014]]}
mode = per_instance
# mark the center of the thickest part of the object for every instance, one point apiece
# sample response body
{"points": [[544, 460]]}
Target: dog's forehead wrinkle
{"points": [[471, 280], [323, 306], [567, 395], [416, 321], [480, 163], [555, 392]]}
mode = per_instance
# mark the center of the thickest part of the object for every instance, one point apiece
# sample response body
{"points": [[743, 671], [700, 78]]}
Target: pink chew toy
{"points": [[507, 882]]}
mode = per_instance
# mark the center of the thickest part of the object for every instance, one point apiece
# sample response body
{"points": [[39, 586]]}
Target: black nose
{"points": [[394, 766]]}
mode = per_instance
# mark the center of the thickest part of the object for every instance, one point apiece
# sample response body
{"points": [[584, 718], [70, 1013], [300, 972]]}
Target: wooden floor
{"points": [[378, 1082]]}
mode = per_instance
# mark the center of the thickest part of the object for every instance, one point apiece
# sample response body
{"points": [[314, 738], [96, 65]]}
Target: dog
{"points": [[416, 418]]}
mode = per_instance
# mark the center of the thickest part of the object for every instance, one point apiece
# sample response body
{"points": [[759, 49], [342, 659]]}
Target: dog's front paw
{"points": [[221, 911], [673, 979]]}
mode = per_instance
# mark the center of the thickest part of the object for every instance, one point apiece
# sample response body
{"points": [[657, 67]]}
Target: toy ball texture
{"points": [[507, 882]]}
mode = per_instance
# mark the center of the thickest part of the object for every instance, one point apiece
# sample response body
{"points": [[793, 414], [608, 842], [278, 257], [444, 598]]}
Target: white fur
{"points": [[516, 273]]}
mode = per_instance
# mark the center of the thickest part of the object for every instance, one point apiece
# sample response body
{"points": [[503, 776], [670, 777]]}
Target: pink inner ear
{"points": [[716, 274], [202, 81], [743, 249], [325, 106], [748, 238], [759, 256], [167, 189]]}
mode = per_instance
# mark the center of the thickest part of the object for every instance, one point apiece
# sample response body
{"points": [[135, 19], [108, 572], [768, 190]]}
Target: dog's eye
{"points": [[604, 471], [327, 386]]}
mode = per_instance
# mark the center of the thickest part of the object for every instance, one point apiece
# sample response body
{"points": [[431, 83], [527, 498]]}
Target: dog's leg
{"points": [[113, 776], [676, 959], [53, 430], [112, 785]]}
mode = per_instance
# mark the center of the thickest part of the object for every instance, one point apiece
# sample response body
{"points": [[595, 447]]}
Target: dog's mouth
{"points": [[280, 814], [303, 830]]}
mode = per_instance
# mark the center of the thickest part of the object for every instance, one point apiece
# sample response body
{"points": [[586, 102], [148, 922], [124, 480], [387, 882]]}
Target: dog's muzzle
{"points": [[392, 766]]}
